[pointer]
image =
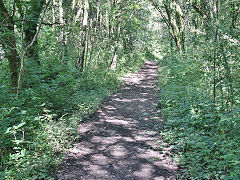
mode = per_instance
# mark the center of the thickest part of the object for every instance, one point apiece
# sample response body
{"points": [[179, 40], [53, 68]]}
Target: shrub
{"points": [[203, 134]]}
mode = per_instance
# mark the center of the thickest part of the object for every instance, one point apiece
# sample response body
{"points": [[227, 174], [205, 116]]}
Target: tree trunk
{"points": [[9, 43], [81, 59], [62, 36], [53, 14], [113, 65], [177, 25]]}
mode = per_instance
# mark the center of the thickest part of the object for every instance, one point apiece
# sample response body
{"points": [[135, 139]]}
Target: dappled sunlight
{"points": [[81, 151], [145, 171], [105, 140], [97, 171], [118, 151], [130, 100], [100, 159], [118, 122], [121, 139]]}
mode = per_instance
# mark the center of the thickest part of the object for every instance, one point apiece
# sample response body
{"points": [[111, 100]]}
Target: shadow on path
{"points": [[121, 140]]}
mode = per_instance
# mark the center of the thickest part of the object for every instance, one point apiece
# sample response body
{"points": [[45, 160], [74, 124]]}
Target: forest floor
{"points": [[121, 141]]}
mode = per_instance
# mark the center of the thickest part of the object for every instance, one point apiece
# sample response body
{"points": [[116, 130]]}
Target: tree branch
{"points": [[20, 77], [162, 15], [43, 23], [40, 25]]}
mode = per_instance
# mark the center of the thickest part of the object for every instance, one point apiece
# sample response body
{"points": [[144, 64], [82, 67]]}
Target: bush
{"points": [[203, 134], [41, 123]]}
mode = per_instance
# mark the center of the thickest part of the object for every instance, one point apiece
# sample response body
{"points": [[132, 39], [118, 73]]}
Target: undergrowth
{"points": [[41, 123], [204, 135]]}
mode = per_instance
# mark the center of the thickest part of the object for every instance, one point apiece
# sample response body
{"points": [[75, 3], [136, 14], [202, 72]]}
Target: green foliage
{"points": [[203, 134], [41, 123], [200, 91], [55, 93]]}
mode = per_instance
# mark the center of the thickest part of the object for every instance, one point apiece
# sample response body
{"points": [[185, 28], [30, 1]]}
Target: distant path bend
{"points": [[121, 141]]}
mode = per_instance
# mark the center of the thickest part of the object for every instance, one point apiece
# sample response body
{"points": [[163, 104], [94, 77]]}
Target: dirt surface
{"points": [[121, 141]]}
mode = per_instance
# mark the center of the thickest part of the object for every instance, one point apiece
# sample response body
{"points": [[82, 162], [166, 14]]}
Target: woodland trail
{"points": [[121, 141]]}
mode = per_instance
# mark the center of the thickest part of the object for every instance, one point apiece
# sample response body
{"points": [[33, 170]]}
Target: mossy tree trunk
{"points": [[176, 23], [8, 40]]}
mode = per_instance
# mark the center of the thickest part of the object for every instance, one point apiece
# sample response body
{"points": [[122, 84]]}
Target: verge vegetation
{"points": [[58, 61], [199, 84]]}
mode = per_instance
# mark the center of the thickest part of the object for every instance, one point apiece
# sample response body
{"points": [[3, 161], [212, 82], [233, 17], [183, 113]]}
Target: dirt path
{"points": [[121, 141]]}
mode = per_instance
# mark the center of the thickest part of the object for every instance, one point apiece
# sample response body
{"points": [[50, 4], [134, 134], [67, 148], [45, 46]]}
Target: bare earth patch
{"points": [[121, 141]]}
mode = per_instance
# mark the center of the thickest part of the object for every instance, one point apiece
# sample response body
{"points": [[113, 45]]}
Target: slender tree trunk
{"points": [[215, 11], [30, 29], [32, 52], [53, 14], [119, 32], [79, 12], [81, 59], [97, 17], [62, 24], [108, 19], [114, 59], [228, 75]]}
